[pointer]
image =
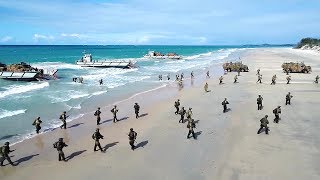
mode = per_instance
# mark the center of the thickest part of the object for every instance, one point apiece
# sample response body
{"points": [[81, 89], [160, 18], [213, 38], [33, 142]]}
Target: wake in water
{"points": [[5, 113], [17, 89]]}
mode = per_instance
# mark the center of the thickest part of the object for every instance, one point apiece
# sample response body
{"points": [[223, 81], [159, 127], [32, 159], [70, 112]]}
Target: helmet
{"points": [[98, 107], [266, 116], [64, 112], [131, 129], [97, 129], [6, 143], [60, 139]]}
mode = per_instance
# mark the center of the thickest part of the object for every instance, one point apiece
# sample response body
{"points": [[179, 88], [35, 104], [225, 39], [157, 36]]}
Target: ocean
{"points": [[22, 102]]}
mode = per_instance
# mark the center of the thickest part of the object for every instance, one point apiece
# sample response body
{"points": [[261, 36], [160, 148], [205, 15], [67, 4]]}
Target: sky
{"points": [[157, 22]]}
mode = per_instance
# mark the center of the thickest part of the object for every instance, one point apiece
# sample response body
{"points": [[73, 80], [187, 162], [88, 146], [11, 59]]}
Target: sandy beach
{"points": [[227, 144]]}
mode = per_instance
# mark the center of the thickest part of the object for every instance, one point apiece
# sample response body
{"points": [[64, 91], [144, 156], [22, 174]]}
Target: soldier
{"points": [[100, 81], [235, 79], [97, 136], [206, 87], [168, 76], [176, 105], [97, 113], [224, 103], [189, 113], [37, 123], [287, 71], [190, 126], [182, 113], [114, 112], [208, 75], [259, 79], [59, 145], [288, 79], [220, 79], [259, 102], [258, 72], [81, 80], [4, 152], [192, 75], [317, 79], [277, 112], [273, 80], [159, 77], [132, 137], [239, 70], [182, 76], [177, 77], [136, 109], [288, 98], [63, 117], [264, 124]]}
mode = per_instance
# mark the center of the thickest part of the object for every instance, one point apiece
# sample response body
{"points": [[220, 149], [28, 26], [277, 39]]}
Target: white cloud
{"points": [[38, 37], [6, 39], [73, 35]]}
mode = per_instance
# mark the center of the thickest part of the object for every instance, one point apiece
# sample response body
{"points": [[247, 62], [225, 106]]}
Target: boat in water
{"points": [[158, 55], [24, 72], [86, 61]]}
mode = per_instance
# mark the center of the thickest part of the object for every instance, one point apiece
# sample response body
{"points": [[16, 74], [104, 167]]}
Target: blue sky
{"points": [[181, 22]]}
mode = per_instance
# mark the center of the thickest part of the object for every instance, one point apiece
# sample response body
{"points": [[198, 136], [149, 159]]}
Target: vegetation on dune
{"points": [[311, 42]]}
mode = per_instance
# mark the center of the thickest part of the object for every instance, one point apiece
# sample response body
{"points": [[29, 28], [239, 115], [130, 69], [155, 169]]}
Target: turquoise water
{"points": [[22, 102]]}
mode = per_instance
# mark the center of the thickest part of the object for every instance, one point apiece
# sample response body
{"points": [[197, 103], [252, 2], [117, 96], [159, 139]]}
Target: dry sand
{"points": [[227, 146]]}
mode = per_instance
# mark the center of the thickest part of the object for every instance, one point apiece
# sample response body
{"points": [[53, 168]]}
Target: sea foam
{"points": [[5, 113], [17, 89]]}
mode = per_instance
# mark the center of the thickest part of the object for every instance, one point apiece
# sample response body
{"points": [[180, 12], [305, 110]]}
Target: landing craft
{"points": [[86, 61]]}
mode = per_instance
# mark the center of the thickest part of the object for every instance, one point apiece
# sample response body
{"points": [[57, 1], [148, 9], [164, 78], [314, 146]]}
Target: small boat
{"points": [[24, 72], [158, 55], [86, 61]]}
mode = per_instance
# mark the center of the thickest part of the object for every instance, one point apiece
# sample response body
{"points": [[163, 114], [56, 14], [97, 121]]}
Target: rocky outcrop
{"points": [[21, 67]]}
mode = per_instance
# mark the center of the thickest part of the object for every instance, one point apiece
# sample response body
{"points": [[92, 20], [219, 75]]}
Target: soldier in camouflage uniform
{"points": [[258, 72], [224, 104], [132, 137], [114, 111], [97, 136], [259, 79], [176, 105], [220, 79], [288, 79], [4, 154], [59, 146], [63, 118], [235, 79], [273, 80], [277, 112], [317, 79], [288, 98], [37, 123], [182, 114], [259, 102], [97, 113], [264, 124], [190, 126]]}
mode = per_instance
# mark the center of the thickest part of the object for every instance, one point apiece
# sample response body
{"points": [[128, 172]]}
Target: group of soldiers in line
{"points": [[277, 111]]}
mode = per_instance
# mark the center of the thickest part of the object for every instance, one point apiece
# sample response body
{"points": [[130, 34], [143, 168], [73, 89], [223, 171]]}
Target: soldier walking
{"points": [[100, 81], [136, 109], [168, 76], [317, 79], [259, 79], [288, 98], [182, 76], [264, 124], [97, 136], [176, 105], [97, 113], [277, 112], [190, 126], [192, 75], [4, 154], [59, 145], [259, 102], [63, 117], [235, 79], [220, 79], [182, 114], [273, 80], [239, 70], [224, 104], [206, 87], [114, 111], [37, 123], [288, 79], [208, 75], [132, 137]]}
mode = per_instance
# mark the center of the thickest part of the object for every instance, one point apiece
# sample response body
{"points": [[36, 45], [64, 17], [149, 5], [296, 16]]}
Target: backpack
{"points": [[1, 150], [94, 136], [60, 117], [95, 113]]}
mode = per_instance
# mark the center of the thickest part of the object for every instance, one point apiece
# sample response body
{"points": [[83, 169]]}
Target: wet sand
{"points": [[227, 145]]}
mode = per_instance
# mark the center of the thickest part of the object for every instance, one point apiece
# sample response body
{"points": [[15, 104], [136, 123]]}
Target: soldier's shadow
{"points": [[27, 158], [75, 125], [124, 118], [197, 134], [105, 121], [228, 109], [109, 145], [142, 115], [77, 153], [142, 144]]}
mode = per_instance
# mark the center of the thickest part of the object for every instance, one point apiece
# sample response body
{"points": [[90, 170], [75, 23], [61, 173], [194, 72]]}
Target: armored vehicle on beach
{"points": [[298, 67], [235, 66]]}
